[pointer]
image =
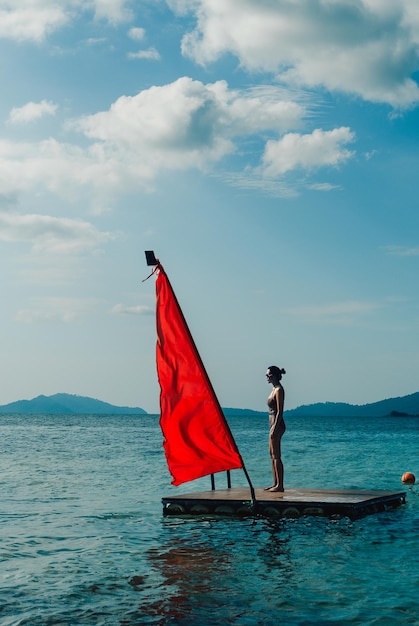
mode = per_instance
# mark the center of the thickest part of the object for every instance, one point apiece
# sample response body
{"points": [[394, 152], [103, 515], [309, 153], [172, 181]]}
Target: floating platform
{"points": [[292, 503]]}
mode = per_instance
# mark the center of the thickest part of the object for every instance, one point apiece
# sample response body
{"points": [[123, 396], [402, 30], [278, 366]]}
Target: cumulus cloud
{"points": [[367, 48], [176, 124], [181, 125], [34, 20], [32, 111], [51, 234], [187, 123], [317, 149]]}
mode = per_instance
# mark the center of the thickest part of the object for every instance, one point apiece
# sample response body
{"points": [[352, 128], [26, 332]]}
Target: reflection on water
{"points": [[192, 574], [241, 571]]}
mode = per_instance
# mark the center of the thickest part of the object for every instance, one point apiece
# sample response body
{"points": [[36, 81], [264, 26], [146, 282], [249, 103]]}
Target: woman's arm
{"points": [[279, 399], [279, 396]]}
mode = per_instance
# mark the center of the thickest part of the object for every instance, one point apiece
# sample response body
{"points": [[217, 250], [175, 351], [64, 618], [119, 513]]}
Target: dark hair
{"points": [[277, 371]]}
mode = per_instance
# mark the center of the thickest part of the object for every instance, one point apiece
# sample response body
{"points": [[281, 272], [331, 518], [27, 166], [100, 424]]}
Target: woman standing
{"points": [[275, 404]]}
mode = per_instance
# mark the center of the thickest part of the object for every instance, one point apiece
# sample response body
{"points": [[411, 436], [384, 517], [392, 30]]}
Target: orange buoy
{"points": [[408, 478]]}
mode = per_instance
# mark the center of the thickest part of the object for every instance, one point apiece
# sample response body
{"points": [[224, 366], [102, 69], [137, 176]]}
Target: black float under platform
{"points": [[293, 503]]}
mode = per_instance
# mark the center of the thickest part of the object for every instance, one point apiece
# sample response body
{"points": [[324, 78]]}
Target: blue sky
{"points": [[266, 151]]}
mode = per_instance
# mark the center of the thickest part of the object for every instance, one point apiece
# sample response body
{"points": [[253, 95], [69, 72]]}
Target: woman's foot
{"points": [[268, 488], [276, 488]]}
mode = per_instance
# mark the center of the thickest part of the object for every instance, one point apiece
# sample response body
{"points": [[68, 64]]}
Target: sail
{"points": [[197, 439]]}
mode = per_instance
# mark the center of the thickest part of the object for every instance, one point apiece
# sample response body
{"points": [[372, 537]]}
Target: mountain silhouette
{"points": [[404, 405], [65, 403]]}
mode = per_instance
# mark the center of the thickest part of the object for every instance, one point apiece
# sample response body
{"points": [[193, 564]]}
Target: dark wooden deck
{"points": [[236, 502]]}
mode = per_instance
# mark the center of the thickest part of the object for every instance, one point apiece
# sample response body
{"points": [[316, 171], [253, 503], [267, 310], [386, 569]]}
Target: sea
{"points": [[84, 540]]}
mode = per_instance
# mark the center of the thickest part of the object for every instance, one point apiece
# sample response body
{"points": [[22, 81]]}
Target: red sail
{"points": [[197, 439]]}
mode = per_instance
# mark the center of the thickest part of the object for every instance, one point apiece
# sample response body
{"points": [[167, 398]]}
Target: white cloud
{"points": [[186, 123], [369, 48], [176, 125], [60, 168], [114, 11], [317, 149], [150, 54], [34, 20], [262, 108], [51, 234], [137, 34], [95, 41], [32, 111], [323, 187], [181, 125]]}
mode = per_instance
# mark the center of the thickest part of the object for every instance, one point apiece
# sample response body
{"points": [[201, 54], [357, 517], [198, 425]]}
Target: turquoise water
{"points": [[83, 539]]}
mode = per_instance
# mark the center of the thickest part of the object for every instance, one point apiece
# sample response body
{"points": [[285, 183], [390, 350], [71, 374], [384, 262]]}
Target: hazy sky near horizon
{"points": [[266, 151]]}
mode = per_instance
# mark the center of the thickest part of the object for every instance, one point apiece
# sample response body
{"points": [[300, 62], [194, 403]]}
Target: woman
{"points": [[275, 403]]}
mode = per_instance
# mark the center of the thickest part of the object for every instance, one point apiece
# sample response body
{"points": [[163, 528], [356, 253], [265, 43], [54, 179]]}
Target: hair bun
{"points": [[277, 371]]}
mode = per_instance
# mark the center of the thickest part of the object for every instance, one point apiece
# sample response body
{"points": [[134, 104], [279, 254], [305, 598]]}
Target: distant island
{"points": [[65, 404], [405, 406]]}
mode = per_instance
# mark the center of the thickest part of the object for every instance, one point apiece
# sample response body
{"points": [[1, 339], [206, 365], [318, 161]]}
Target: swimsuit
{"points": [[271, 402]]}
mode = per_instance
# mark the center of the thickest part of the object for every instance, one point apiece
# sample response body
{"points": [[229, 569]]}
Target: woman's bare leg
{"points": [[279, 475], [277, 466], [274, 476]]}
